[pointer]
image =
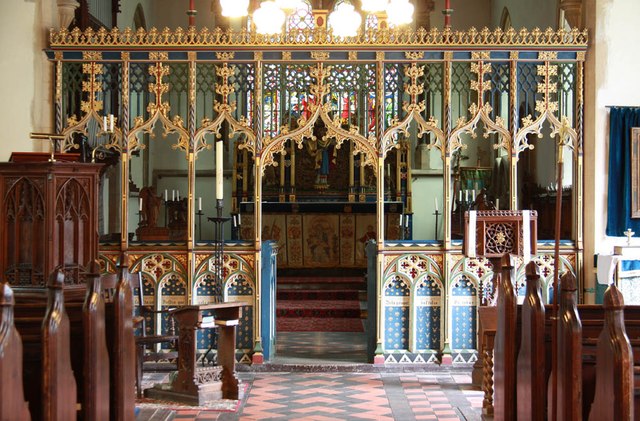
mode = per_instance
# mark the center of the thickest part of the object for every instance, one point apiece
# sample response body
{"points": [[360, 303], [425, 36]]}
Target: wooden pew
{"points": [[122, 347], [531, 387], [50, 386], [12, 404], [576, 378], [95, 354], [614, 367], [505, 351]]}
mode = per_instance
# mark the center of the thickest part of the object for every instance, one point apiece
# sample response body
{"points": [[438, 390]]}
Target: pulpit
{"points": [[492, 234], [195, 385], [48, 217]]}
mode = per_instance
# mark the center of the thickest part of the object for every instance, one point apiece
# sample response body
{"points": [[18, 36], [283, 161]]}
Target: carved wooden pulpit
{"points": [[195, 385], [492, 234], [48, 217]]}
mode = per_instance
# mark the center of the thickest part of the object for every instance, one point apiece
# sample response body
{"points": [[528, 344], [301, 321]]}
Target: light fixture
{"points": [[234, 8], [344, 20], [399, 12], [269, 18], [373, 6]]}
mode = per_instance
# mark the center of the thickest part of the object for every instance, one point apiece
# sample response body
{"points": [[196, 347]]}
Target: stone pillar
{"points": [[66, 12], [572, 12]]}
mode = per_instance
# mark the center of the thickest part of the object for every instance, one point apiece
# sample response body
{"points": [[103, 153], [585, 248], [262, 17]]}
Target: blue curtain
{"points": [[619, 201]]}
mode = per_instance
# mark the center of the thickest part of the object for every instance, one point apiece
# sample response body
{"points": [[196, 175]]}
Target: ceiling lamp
{"points": [[373, 6], [289, 5], [344, 20], [234, 8], [399, 12], [269, 18]]}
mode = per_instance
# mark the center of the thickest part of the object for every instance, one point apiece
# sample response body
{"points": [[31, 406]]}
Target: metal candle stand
{"points": [[200, 213], [437, 214], [218, 244]]}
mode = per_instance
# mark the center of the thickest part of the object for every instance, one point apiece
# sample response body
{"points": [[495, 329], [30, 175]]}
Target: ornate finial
{"points": [[6, 297], [91, 86], [480, 85], [628, 233], [224, 89], [414, 88], [545, 87], [319, 89], [159, 88]]}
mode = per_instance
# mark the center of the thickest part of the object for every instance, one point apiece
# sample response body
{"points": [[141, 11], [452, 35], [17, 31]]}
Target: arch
{"points": [[139, 20], [396, 294]]}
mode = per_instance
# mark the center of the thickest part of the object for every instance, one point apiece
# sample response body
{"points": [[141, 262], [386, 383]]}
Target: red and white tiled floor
{"points": [[322, 376]]}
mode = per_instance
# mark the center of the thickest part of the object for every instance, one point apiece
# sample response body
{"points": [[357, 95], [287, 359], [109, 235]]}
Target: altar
{"points": [[322, 234]]}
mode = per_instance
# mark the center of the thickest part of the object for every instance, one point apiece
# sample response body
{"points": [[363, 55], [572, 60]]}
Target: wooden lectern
{"points": [[197, 385]]}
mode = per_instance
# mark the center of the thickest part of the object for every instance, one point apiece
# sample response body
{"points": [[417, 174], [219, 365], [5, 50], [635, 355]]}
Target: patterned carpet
{"points": [[319, 304]]}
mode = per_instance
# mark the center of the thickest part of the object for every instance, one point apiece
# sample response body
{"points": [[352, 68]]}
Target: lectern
{"points": [[48, 217]]}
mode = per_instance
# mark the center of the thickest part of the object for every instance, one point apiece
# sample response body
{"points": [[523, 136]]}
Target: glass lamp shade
{"points": [[234, 8], [269, 18], [373, 6], [399, 12], [344, 20], [289, 5]]}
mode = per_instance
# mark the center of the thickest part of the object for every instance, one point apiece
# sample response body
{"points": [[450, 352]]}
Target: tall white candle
{"points": [[239, 220], [460, 198], [173, 195], [178, 195], [104, 123], [166, 195], [199, 203], [436, 200], [140, 205], [219, 191], [111, 122], [473, 194], [497, 203], [466, 195]]}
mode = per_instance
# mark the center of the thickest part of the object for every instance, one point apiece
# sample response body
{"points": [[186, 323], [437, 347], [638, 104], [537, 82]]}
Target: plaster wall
{"points": [[611, 77], [527, 14], [23, 69], [128, 10]]}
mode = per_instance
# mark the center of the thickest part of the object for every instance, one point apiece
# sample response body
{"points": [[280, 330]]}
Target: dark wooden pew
{"points": [[12, 404], [614, 365], [50, 386], [122, 347], [84, 306], [579, 328]]}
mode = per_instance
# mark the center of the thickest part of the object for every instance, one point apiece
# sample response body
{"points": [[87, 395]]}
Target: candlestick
{"points": [[178, 195], [199, 203], [473, 198], [239, 220], [140, 205], [460, 198], [219, 189]]}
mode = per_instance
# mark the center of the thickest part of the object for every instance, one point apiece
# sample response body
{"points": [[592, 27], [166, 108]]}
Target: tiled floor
{"points": [[324, 376]]}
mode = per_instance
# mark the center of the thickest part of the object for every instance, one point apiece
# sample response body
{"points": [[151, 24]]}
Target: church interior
{"points": [[205, 202]]}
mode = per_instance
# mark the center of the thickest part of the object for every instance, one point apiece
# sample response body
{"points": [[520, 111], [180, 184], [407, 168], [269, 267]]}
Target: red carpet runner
{"points": [[319, 304]]}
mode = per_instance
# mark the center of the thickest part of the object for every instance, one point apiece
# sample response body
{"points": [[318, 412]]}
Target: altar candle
{"points": [[178, 195], [104, 123], [166, 195], [466, 195], [219, 191], [199, 204], [497, 203], [235, 221], [436, 200], [460, 198], [111, 122], [140, 205], [239, 219], [173, 195], [401, 215], [473, 193]]}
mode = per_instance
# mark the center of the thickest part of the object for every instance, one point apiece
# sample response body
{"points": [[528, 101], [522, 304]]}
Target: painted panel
{"points": [[321, 242], [396, 314], [427, 303], [294, 241], [463, 303]]}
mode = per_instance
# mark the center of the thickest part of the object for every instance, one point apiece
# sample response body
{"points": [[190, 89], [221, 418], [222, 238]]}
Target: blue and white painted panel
{"points": [[396, 295]]}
